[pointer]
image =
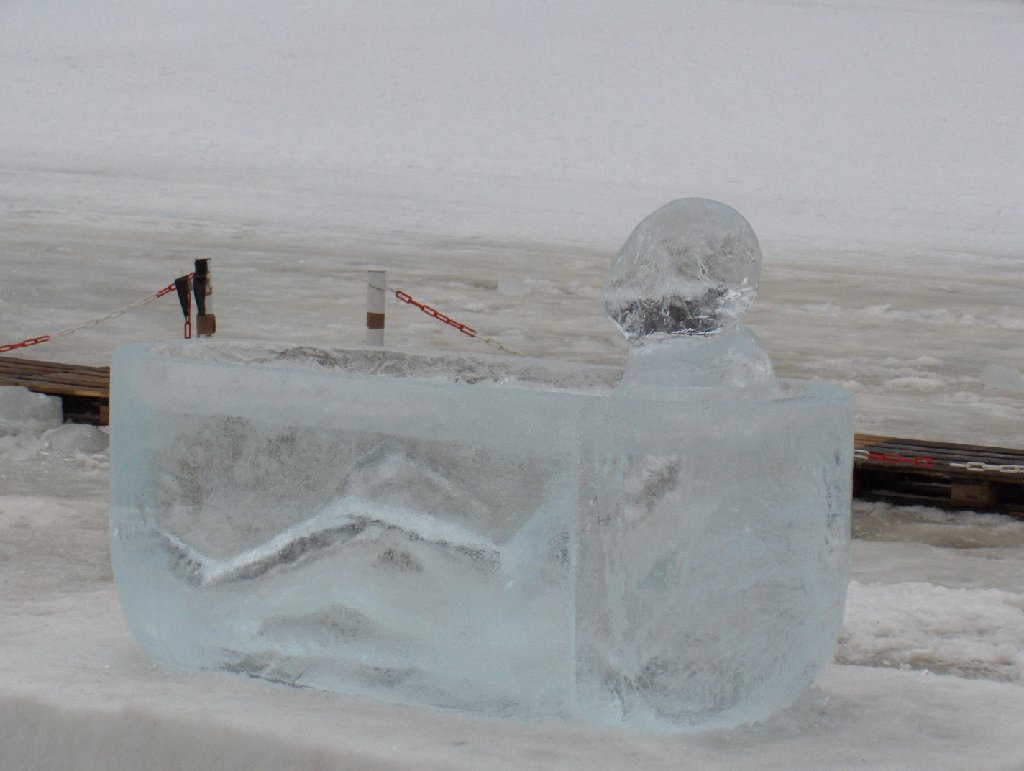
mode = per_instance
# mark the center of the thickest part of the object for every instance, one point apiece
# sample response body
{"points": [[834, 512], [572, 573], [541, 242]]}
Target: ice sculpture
{"points": [[714, 532], [510, 536], [692, 267]]}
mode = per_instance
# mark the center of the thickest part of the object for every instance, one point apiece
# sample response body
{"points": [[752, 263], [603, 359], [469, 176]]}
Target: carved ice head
{"points": [[690, 268]]}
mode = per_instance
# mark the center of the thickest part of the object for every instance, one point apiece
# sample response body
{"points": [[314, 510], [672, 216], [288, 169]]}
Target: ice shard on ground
{"points": [[510, 536]]}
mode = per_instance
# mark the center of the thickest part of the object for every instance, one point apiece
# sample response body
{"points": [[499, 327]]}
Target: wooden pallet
{"points": [[84, 391], [952, 476]]}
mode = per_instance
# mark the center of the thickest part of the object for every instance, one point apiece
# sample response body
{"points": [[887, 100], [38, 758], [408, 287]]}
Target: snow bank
{"points": [[24, 410], [73, 440], [914, 625], [38, 452]]}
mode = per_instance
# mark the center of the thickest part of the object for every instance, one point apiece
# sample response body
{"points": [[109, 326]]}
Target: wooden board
{"points": [[943, 474], [84, 390]]}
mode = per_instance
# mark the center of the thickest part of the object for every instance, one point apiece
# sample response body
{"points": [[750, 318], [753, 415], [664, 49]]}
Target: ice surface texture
{"points": [[508, 536], [690, 268], [713, 552]]}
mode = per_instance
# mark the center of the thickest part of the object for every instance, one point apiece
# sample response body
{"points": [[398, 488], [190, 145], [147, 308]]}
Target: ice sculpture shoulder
{"points": [[502, 535]]}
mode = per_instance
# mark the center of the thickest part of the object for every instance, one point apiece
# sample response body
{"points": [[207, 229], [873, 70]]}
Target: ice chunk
{"points": [[73, 439], [21, 408], [690, 268]]}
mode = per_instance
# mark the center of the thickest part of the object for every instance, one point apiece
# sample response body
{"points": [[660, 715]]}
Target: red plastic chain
{"points": [[137, 304], [24, 343], [166, 290], [892, 457], [434, 313]]}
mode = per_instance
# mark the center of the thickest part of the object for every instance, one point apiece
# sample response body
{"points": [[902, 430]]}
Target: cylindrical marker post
{"points": [[375, 286]]}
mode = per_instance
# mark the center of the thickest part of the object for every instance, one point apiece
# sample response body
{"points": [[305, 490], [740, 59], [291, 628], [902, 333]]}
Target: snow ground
{"points": [[493, 157]]}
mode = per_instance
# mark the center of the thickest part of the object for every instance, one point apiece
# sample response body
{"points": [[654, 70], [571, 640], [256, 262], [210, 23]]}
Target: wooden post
{"points": [[376, 285], [206, 322]]}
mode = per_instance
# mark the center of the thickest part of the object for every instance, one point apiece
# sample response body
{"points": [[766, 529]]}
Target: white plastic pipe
{"points": [[375, 286]]}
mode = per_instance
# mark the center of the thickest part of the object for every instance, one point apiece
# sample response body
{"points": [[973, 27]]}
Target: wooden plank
{"points": [[940, 459], [12, 368], [49, 377], [58, 389], [939, 450], [940, 454], [925, 445], [12, 362], [907, 471], [84, 390]]}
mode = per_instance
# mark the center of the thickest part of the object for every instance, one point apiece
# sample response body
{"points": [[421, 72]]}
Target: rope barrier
{"points": [[28, 342], [183, 287]]}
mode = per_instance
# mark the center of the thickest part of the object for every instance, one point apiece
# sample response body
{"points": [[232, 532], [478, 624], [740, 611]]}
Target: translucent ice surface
{"points": [[690, 268], [388, 523], [713, 552], [503, 535], [732, 360]]}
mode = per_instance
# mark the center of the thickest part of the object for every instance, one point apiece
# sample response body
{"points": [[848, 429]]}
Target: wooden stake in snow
{"points": [[375, 287], [206, 322]]}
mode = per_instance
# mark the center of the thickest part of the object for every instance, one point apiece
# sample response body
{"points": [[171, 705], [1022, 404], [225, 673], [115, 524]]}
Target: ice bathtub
{"points": [[509, 536]]}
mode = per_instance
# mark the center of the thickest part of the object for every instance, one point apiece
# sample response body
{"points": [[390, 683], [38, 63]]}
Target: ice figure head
{"points": [[690, 268]]}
